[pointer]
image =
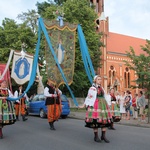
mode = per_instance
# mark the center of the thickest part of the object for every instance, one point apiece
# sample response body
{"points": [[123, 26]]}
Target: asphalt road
{"points": [[70, 134]]}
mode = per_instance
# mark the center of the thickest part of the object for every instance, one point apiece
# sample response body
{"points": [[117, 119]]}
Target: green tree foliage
{"points": [[78, 12], [141, 65], [59, 2], [30, 19], [12, 35]]}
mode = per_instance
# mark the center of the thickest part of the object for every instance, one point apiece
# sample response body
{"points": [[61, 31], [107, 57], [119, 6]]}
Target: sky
{"points": [[127, 17]]}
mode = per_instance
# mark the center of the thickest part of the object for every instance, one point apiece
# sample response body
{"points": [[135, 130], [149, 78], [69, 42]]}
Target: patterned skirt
{"points": [[98, 116], [7, 113], [115, 111]]}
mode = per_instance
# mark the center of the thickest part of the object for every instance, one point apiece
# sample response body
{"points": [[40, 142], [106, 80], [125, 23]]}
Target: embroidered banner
{"points": [[63, 43], [6, 76], [22, 67]]}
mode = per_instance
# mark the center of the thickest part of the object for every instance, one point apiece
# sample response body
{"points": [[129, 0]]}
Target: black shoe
{"points": [[1, 137], [111, 128], [24, 119], [96, 139], [52, 126], [104, 139]]}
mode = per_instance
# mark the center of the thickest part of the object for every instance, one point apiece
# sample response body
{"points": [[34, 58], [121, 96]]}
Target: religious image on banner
{"points": [[22, 67], [63, 42]]}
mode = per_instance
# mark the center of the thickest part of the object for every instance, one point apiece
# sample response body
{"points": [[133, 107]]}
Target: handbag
{"points": [[135, 109], [127, 105]]}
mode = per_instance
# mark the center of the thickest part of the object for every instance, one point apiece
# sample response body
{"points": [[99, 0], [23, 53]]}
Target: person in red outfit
{"points": [[7, 112], [134, 106]]}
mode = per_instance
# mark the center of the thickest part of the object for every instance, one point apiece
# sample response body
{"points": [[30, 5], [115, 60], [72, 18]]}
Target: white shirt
{"points": [[16, 95], [47, 94]]}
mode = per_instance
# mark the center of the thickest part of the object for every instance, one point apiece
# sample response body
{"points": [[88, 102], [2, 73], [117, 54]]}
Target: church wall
{"points": [[119, 69]]}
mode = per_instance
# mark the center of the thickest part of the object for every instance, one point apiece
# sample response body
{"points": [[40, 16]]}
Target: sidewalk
{"points": [[131, 122]]}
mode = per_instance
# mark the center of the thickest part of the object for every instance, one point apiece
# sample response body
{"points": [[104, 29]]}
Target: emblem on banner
{"points": [[22, 67]]}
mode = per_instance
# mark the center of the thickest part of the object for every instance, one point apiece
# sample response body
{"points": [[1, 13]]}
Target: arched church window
{"points": [[112, 73], [127, 78]]}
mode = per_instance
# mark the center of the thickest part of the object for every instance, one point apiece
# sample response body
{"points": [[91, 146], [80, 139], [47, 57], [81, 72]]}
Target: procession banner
{"points": [[63, 43], [22, 67]]}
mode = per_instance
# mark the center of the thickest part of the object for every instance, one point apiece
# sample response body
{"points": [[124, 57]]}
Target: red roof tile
{"points": [[121, 43]]}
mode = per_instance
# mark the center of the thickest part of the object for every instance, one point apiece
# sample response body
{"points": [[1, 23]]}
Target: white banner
{"points": [[22, 67]]}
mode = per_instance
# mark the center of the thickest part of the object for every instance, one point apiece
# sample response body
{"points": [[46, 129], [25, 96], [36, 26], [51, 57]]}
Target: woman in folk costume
{"points": [[20, 105], [53, 103], [7, 112], [115, 110], [98, 114]]}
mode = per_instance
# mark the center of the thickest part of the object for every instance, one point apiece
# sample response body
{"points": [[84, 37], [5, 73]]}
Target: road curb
{"points": [[81, 116]]}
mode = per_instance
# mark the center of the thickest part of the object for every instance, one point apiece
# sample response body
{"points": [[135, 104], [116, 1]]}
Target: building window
{"points": [[127, 78], [112, 74]]}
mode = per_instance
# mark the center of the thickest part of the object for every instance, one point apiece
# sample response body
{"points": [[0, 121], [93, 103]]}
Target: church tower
{"points": [[102, 27]]}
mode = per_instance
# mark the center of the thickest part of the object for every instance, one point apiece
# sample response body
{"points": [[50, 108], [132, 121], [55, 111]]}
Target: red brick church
{"points": [[114, 71]]}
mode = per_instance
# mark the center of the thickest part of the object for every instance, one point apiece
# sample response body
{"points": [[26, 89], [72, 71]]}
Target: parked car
{"points": [[37, 106]]}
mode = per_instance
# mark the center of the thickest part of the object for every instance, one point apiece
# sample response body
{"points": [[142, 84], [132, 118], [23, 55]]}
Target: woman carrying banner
{"points": [[98, 114], [53, 104], [7, 112]]}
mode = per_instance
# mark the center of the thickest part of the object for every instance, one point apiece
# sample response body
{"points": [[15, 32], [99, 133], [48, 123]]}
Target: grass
{"points": [[77, 110]]}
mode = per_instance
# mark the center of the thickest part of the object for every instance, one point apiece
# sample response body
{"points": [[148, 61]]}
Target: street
{"points": [[70, 134]]}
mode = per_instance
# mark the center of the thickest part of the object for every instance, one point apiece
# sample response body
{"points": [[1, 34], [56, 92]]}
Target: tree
{"points": [[141, 65], [12, 35], [30, 19], [78, 12]]}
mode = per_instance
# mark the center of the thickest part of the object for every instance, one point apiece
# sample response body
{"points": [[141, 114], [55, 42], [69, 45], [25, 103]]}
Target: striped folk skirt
{"points": [[98, 116], [7, 113], [115, 111]]}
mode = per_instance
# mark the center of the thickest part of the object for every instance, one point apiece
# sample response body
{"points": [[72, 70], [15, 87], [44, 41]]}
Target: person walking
{"points": [[98, 114], [141, 103], [134, 106], [53, 103], [20, 105], [7, 112], [115, 110]]}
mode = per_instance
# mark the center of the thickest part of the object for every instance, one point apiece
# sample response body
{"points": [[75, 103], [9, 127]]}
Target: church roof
{"points": [[118, 43]]}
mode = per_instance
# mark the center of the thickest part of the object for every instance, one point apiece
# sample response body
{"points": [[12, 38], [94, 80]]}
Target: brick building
{"points": [[114, 72]]}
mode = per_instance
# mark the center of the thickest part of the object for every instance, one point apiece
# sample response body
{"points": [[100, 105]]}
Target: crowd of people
{"points": [[130, 105], [102, 109]]}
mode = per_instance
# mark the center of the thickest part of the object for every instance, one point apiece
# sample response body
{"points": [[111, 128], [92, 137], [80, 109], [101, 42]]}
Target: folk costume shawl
{"points": [[91, 97]]}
